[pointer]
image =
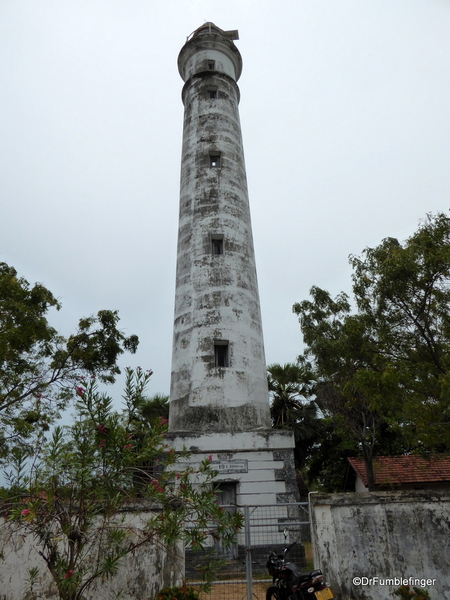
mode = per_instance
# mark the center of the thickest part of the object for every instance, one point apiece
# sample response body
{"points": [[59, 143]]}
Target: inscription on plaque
{"points": [[230, 466]]}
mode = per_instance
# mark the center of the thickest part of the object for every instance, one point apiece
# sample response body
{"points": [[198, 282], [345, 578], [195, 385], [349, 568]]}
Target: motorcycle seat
{"points": [[310, 575]]}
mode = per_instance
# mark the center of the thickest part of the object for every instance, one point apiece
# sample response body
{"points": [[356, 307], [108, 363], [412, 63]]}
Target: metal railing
{"points": [[244, 574]]}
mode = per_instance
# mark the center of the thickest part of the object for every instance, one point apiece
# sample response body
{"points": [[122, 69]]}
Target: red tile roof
{"points": [[397, 470]]}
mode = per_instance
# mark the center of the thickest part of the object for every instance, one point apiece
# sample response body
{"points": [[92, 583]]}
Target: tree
{"points": [[40, 369], [155, 407], [326, 463], [348, 383], [405, 292], [146, 414], [387, 364], [81, 482], [289, 386]]}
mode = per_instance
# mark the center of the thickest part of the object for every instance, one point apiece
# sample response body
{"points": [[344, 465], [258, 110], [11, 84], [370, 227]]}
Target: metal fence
{"points": [[266, 528]]}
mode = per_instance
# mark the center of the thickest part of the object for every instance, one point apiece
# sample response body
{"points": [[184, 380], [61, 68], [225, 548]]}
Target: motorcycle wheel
{"points": [[273, 593]]}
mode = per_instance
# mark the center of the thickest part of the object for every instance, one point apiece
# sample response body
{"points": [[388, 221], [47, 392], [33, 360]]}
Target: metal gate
{"points": [[244, 575]]}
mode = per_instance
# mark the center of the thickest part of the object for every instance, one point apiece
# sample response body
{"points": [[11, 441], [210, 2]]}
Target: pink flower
{"points": [[157, 487], [79, 390], [162, 420], [128, 446], [209, 459], [102, 429], [68, 574], [25, 512]]}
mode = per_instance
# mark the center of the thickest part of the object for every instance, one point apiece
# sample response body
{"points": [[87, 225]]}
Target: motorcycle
{"points": [[290, 584]]}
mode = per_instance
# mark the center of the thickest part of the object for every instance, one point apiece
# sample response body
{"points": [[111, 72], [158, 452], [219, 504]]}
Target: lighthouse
{"points": [[219, 401]]}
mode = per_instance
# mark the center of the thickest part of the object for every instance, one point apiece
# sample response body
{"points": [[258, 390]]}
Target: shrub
{"points": [[71, 494], [406, 593], [178, 593]]}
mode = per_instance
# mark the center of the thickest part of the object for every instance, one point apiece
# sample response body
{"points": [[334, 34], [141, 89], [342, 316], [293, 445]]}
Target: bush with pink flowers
{"points": [[69, 496]]}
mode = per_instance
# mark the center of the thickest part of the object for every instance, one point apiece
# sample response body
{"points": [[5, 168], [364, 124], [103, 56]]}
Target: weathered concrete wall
{"points": [[140, 577], [216, 300], [261, 463], [380, 536]]}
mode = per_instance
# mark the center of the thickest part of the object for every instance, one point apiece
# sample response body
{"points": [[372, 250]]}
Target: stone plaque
{"points": [[230, 466]]}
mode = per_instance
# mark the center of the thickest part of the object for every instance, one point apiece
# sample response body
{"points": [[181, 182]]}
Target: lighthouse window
{"points": [[212, 94], [211, 65], [221, 354], [214, 159], [217, 244]]}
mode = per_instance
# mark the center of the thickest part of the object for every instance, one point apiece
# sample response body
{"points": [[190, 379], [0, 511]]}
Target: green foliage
{"points": [[404, 291], [178, 593], [290, 385], [326, 463], [405, 593], [74, 496], [155, 407], [40, 369], [385, 368]]}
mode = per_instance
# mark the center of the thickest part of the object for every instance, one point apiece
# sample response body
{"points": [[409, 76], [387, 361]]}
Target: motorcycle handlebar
{"points": [[286, 550]]}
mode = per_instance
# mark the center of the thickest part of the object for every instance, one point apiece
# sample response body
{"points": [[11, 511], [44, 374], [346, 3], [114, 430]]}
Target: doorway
{"points": [[226, 492]]}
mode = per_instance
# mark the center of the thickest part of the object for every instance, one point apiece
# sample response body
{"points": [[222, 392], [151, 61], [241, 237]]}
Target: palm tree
{"points": [[155, 407], [150, 411], [290, 387]]}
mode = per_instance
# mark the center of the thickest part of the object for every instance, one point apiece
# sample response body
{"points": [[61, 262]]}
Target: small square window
{"points": [[214, 159], [212, 94], [217, 244], [211, 65], [221, 358]]}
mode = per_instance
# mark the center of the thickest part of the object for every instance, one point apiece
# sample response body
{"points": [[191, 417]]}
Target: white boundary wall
{"points": [[141, 574], [378, 536]]}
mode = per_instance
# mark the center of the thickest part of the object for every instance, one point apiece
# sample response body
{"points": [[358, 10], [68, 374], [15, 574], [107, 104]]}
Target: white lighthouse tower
{"points": [[219, 398]]}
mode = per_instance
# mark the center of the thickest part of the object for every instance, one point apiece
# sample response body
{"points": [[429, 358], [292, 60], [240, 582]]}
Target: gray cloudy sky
{"points": [[345, 116]]}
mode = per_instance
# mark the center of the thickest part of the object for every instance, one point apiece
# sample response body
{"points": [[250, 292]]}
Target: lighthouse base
{"points": [[254, 467]]}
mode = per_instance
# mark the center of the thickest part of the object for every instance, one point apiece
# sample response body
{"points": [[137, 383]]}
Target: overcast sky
{"points": [[345, 116]]}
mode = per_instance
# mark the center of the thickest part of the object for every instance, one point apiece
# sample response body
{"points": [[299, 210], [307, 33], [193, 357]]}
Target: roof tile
{"points": [[396, 470]]}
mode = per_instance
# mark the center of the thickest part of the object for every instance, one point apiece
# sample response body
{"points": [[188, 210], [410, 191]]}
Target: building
{"points": [[219, 398], [400, 473]]}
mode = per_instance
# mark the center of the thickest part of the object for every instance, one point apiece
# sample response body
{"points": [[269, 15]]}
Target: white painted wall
{"points": [[382, 536], [221, 410], [216, 296], [359, 486], [193, 57], [261, 464], [262, 454]]}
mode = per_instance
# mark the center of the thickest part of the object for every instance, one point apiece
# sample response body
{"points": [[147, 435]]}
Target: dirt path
{"points": [[235, 591]]}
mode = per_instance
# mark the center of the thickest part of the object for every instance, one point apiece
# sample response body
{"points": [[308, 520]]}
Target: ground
{"points": [[235, 591], [229, 590]]}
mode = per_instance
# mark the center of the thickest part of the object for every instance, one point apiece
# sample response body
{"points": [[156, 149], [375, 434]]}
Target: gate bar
{"points": [[248, 554]]}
